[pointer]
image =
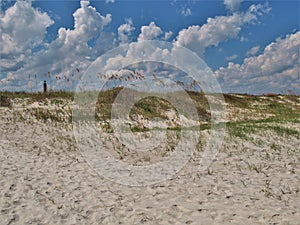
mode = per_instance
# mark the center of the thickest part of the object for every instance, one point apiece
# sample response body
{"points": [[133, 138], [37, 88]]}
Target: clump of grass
{"points": [[284, 109], [58, 115], [240, 129], [241, 102], [201, 105], [284, 130], [293, 98], [5, 101], [104, 103], [17, 116], [39, 96], [151, 107], [139, 129], [275, 147], [244, 129]]}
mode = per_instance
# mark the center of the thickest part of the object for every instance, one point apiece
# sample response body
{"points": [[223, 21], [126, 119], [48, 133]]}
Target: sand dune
{"points": [[46, 180]]}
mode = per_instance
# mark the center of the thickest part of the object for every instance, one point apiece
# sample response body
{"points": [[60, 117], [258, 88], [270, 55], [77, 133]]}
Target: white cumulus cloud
{"points": [[275, 70], [168, 35], [150, 32], [232, 57], [125, 31], [22, 28], [218, 29], [253, 51], [232, 5], [71, 49]]}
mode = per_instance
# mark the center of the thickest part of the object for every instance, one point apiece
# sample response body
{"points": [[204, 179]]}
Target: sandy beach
{"points": [[46, 180], [166, 112]]}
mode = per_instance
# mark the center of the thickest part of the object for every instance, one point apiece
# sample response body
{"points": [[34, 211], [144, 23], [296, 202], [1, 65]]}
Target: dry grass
{"points": [[246, 113]]}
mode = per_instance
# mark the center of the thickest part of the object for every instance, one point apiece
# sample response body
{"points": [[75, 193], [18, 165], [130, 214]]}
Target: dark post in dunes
{"points": [[45, 86]]}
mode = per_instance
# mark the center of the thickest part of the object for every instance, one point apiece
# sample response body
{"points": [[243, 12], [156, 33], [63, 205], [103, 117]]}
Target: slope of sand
{"points": [[46, 180]]}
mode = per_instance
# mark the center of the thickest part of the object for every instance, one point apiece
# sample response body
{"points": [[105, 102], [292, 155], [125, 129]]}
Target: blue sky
{"points": [[251, 46]]}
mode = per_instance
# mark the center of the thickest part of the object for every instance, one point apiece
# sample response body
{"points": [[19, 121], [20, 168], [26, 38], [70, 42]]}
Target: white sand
{"points": [[45, 180]]}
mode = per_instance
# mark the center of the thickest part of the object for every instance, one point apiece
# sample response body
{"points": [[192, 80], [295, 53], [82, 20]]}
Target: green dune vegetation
{"points": [[245, 113]]}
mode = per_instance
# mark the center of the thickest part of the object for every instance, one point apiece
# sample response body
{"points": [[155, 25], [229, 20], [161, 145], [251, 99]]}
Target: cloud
{"points": [[125, 31], [253, 51], [77, 47], [158, 52], [243, 39], [218, 29], [10, 77], [87, 23], [186, 12], [150, 32], [168, 35], [71, 49], [232, 5], [104, 42], [229, 58], [275, 70], [73, 44], [4, 4], [22, 28], [110, 1], [153, 32]]}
